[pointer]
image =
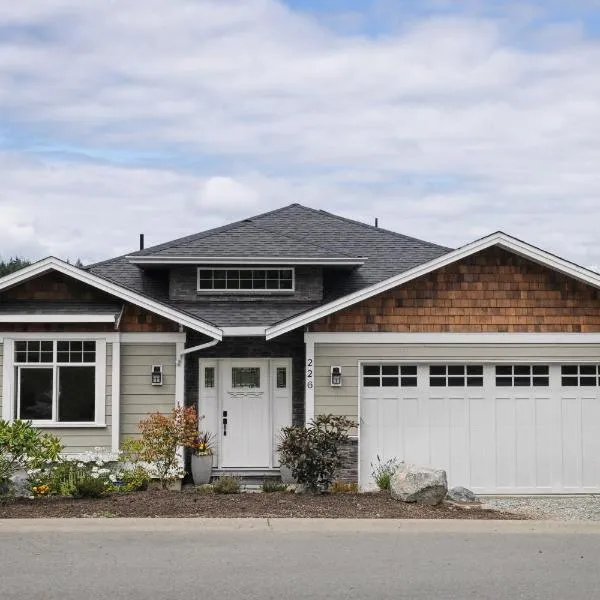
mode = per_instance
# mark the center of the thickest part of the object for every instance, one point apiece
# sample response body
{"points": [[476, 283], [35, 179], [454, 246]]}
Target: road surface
{"points": [[114, 559]]}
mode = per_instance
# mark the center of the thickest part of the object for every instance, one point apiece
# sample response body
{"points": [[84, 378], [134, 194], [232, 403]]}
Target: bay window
{"points": [[57, 381]]}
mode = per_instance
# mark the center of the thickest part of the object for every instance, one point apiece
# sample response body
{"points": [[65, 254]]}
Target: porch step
{"points": [[248, 477]]}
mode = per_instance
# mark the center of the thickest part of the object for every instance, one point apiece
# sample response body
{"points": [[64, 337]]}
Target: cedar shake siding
{"points": [[56, 287], [491, 291]]}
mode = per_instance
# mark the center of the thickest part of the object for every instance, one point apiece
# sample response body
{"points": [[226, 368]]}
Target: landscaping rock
{"points": [[20, 485], [424, 485], [462, 494]]}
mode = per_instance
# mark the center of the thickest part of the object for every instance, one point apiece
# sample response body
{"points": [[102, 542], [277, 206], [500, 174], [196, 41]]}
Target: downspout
{"points": [[195, 348]]}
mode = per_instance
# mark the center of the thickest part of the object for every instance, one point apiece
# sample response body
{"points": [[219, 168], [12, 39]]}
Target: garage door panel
{"points": [[507, 435]]}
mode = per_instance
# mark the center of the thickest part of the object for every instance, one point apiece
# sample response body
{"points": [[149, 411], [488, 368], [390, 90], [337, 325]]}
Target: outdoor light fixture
{"points": [[157, 374], [336, 376]]}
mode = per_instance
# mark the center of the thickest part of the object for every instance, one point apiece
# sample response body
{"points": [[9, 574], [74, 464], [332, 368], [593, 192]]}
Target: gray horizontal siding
{"points": [[1, 374], [139, 397], [344, 400]]}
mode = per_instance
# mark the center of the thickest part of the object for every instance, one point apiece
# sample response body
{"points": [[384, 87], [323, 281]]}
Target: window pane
{"points": [[522, 369], [20, 356], [437, 381], [389, 370], [206, 284], [245, 377], [456, 381], [569, 381], [281, 377], [522, 381], [587, 369], [285, 274], [474, 381], [540, 369], [409, 370], [20, 346], [474, 370], [209, 377], [371, 370], [371, 381], [35, 397], [408, 382], [541, 381], [219, 284], [568, 370], [259, 284], [504, 381], [272, 284], [503, 370], [285, 284], [588, 381], [76, 394], [389, 381], [456, 370], [437, 370]]}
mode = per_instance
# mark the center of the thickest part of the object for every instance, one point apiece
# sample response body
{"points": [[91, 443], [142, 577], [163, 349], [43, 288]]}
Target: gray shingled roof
{"points": [[289, 231], [243, 314]]}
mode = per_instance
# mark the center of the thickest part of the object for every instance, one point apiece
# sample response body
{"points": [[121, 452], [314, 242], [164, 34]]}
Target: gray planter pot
{"points": [[201, 469], [286, 475]]}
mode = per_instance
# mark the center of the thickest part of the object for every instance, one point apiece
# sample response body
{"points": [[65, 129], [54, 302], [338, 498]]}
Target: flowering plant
{"points": [[202, 445]]}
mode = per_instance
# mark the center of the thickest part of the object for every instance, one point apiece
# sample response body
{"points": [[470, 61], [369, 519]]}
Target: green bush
{"points": [[313, 453], [22, 447], [226, 485], [268, 487], [134, 480], [88, 487], [382, 472], [205, 488], [344, 487]]}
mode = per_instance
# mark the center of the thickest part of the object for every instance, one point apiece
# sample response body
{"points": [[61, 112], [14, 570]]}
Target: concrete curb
{"points": [[194, 526]]}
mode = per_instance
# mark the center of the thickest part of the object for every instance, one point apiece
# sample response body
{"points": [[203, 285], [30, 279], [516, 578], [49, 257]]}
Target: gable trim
{"points": [[54, 264], [498, 239]]}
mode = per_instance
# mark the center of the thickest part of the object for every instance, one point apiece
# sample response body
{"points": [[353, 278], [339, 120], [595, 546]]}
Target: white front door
{"points": [[245, 414]]}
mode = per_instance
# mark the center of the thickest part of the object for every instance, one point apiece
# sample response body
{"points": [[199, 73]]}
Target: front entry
{"points": [[245, 433], [244, 404]]}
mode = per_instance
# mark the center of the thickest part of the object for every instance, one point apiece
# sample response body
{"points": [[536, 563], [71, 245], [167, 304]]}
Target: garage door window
{"points": [[456, 375], [390, 375], [522, 375], [579, 375]]}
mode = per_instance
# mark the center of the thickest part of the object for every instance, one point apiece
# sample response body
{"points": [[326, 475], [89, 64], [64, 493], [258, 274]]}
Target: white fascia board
{"points": [[447, 338], [61, 318], [258, 331], [496, 239], [54, 264], [244, 260]]}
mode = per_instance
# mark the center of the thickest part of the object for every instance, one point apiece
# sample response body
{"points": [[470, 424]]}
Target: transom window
{"points": [[522, 375], [579, 375], [245, 377], [56, 380], [390, 375], [246, 280], [456, 375]]}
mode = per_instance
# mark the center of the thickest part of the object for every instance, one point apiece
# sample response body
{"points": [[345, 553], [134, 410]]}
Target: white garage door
{"points": [[500, 428]]}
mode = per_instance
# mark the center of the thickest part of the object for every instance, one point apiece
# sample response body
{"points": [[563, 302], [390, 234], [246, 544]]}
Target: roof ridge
{"points": [[380, 229]]}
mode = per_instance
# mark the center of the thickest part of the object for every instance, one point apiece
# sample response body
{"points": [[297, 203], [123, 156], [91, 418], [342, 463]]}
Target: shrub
{"points": [[344, 487], [205, 488], [88, 487], [313, 453], [161, 437], [23, 447], [226, 485], [269, 487], [134, 480], [382, 472]]}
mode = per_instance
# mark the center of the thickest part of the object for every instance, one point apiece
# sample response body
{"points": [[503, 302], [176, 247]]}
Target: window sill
{"points": [[58, 425]]}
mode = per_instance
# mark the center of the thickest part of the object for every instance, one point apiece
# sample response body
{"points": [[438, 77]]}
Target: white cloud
{"points": [[367, 126]]}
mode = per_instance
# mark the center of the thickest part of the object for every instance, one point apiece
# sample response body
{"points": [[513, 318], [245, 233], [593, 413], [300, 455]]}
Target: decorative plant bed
{"points": [[190, 503]]}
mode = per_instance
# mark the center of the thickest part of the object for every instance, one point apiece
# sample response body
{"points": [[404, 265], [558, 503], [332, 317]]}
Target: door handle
{"points": [[224, 422]]}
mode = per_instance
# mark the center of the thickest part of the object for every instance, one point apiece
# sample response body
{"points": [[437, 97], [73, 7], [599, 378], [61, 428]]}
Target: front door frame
{"points": [[269, 365]]}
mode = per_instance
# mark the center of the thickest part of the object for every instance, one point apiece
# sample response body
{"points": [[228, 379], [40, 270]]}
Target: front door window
{"points": [[245, 377]]}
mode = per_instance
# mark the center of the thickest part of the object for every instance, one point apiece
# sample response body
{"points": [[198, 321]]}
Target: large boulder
{"points": [[424, 485], [462, 494]]}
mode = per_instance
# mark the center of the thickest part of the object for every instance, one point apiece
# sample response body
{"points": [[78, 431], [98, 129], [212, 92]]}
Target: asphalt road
{"points": [[118, 559]]}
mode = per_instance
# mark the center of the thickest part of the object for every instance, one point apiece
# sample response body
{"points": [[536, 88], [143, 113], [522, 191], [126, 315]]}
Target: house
{"points": [[481, 360]]}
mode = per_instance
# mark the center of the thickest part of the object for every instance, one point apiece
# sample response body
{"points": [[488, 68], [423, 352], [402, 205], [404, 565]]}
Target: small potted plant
{"points": [[202, 457]]}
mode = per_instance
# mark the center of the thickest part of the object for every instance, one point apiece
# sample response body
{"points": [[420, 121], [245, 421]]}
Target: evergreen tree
{"points": [[13, 264]]}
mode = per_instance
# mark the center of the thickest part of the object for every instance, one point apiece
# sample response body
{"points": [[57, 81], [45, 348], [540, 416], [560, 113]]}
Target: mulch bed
{"points": [[189, 503]]}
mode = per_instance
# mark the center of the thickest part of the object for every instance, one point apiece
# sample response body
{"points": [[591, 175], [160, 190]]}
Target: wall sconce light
{"points": [[157, 375], [336, 376]]}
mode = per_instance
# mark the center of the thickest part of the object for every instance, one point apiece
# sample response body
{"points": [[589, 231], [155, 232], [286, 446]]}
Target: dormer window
{"points": [[246, 280]]}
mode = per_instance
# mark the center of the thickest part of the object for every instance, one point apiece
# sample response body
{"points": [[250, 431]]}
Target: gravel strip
{"points": [[558, 508]]}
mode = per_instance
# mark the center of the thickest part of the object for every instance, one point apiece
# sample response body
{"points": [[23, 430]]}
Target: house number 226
{"points": [[309, 374]]}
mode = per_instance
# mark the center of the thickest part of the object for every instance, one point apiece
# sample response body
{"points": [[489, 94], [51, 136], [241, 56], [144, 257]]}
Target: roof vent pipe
{"points": [[141, 241], [376, 222]]}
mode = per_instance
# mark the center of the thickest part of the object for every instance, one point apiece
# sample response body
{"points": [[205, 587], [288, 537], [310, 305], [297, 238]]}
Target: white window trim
{"points": [[9, 383], [245, 292]]}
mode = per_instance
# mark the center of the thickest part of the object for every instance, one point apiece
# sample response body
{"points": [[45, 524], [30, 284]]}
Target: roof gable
{"points": [[499, 239]]}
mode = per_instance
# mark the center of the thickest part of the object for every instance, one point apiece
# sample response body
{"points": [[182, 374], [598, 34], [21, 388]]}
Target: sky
{"points": [[445, 119]]}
